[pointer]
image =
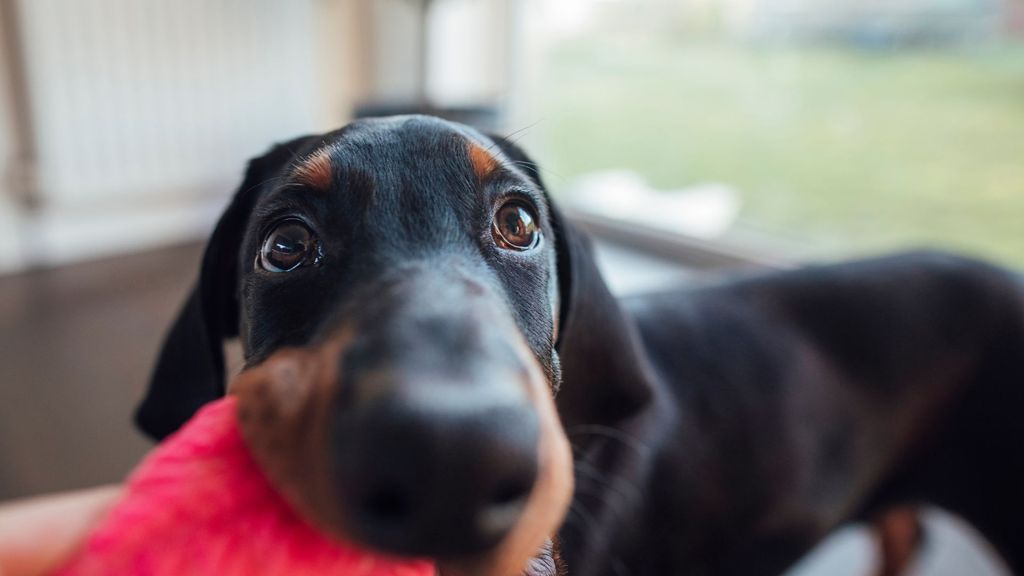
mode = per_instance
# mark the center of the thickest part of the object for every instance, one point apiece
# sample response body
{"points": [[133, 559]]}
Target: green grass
{"points": [[836, 151]]}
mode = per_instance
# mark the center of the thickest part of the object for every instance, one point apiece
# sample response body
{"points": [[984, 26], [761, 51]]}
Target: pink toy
{"points": [[200, 505]]}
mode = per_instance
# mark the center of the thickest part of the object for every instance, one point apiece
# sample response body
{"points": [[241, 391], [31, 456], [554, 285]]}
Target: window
{"points": [[818, 128]]}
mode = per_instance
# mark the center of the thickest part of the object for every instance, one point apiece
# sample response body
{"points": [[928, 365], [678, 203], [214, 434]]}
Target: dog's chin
{"points": [[546, 563]]}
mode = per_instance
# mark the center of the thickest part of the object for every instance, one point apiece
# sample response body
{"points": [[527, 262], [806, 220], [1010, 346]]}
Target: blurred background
{"points": [[691, 137]]}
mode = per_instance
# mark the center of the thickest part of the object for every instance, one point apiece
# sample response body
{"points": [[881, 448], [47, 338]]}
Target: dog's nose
{"points": [[437, 470]]}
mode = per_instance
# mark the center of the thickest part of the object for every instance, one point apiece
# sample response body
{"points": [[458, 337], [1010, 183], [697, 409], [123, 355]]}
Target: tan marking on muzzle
{"points": [[483, 161], [284, 411], [315, 170]]}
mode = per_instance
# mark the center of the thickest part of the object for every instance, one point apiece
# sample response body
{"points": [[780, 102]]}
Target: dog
{"points": [[434, 366]]}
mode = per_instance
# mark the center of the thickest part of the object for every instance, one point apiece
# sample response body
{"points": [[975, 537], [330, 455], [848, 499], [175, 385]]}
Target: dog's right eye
{"points": [[515, 227], [289, 245]]}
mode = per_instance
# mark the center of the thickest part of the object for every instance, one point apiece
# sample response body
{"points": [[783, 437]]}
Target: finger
{"points": [[38, 534]]}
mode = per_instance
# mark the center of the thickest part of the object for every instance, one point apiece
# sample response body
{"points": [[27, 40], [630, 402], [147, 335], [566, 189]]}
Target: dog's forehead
{"points": [[407, 144]]}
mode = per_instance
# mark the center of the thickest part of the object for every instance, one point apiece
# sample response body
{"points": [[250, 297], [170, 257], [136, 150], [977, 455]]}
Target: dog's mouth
{"points": [[392, 479]]}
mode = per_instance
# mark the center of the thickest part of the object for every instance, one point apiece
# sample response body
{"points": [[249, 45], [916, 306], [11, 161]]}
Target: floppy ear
{"points": [[603, 377], [190, 369]]}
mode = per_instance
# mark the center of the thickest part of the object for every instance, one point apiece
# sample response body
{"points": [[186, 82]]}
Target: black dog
{"points": [[411, 287]]}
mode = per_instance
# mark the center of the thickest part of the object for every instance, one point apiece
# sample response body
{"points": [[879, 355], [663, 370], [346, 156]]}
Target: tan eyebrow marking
{"points": [[482, 160], [315, 170]]}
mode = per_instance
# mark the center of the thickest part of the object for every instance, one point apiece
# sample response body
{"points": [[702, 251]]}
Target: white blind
{"points": [[134, 98]]}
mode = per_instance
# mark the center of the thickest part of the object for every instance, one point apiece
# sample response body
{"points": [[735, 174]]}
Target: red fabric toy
{"points": [[200, 505]]}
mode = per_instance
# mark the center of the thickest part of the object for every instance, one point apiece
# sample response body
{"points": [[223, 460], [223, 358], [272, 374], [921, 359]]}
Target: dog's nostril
{"points": [[511, 492], [388, 505]]}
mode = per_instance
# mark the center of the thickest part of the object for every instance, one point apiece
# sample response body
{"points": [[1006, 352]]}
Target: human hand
{"points": [[38, 534]]}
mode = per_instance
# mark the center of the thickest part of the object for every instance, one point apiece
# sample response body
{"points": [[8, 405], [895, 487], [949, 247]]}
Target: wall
{"points": [[10, 220], [143, 114], [467, 59]]}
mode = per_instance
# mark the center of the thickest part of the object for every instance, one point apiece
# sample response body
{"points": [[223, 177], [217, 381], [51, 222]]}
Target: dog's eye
{"points": [[515, 227], [289, 244]]}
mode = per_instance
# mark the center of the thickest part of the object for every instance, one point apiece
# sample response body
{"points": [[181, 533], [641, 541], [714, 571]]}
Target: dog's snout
{"points": [[423, 426], [439, 470]]}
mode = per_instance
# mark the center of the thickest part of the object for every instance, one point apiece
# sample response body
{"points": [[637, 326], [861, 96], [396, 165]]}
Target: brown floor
{"points": [[76, 347]]}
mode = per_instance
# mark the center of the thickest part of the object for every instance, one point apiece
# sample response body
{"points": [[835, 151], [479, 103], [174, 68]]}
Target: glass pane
{"points": [[832, 127]]}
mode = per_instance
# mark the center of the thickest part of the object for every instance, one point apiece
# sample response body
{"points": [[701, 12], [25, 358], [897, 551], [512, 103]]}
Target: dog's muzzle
{"points": [[418, 428]]}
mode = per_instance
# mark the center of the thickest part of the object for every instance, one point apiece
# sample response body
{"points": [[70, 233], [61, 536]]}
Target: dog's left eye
{"points": [[515, 227], [287, 246]]}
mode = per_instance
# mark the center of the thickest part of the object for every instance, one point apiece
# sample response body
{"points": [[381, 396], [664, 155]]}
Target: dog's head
{"points": [[402, 289], [395, 290]]}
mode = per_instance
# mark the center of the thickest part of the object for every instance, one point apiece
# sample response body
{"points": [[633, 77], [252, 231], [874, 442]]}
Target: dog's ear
{"points": [[603, 378], [190, 368]]}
